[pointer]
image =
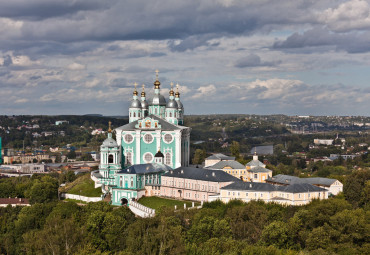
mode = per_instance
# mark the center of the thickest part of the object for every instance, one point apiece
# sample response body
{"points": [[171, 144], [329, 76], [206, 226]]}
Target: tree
{"points": [[44, 190], [277, 234], [353, 188], [235, 149], [71, 154], [199, 156]]}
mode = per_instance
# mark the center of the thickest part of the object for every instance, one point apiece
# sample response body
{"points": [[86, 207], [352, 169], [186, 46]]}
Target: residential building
{"points": [[60, 122], [24, 168], [4, 202], [231, 167], [194, 183], [259, 174], [323, 141], [215, 158], [24, 159], [332, 185], [295, 194]]}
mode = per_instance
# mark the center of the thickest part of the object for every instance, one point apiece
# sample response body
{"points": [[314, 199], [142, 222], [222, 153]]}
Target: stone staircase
{"points": [[108, 198]]}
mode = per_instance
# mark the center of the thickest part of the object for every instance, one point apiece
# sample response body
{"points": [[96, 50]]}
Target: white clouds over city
{"points": [[290, 57]]}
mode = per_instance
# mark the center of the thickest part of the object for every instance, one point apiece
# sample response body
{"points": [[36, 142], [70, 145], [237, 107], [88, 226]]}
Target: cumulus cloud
{"points": [[284, 96], [347, 16], [253, 60], [320, 37], [76, 67]]}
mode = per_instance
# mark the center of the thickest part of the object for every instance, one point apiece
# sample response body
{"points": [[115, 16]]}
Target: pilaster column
{"points": [[137, 149]]}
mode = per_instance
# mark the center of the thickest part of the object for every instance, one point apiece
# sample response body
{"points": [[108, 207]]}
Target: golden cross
{"points": [[156, 73], [135, 84], [171, 85], [177, 86], [143, 86]]}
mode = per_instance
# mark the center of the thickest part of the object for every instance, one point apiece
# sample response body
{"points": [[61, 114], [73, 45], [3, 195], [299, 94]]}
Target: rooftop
{"points": [[145, 169], [258, 186], [287, 179], [220, 156], [228, 163], [201, 174]]}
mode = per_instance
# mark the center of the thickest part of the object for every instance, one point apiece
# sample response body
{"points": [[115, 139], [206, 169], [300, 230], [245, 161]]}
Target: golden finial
{"points": [[135, 91], [156, 83], [109, 129], [171, 91], [143, 92]]}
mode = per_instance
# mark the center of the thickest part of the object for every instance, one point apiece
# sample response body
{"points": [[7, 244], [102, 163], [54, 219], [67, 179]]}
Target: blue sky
{"points": [[254, 57]]}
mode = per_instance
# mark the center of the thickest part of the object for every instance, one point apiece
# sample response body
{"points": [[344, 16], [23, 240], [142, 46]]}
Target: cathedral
{"points": [[153, 142]]}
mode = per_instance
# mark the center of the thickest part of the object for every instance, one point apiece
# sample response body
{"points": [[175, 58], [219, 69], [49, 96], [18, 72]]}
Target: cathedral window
{"points": [[170, 114], [128, 138], [128, 158], [155, 111], [132, 182], [167, 138], [110, 159], [148, 138], [148, 157], [134, 114]]}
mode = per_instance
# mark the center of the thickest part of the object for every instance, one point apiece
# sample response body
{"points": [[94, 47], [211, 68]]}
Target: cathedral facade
{"points": [[155, 124], [153, 142]]}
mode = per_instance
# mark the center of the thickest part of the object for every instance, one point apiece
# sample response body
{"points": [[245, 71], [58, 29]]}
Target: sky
{"points": [[301, 57]]}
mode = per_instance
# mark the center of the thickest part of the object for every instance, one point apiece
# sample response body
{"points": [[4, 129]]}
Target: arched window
{"points": [[110, 159], [155, 111], [128, 158], [168, 158], [170, 114], [134, 114]]}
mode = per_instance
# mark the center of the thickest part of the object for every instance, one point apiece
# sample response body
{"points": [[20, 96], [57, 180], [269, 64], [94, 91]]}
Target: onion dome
{"points": [[177, 96], [110, 142], [158, 100], [135, 103], [159, 154], [179, 105], [144, 104], [172, 104]]}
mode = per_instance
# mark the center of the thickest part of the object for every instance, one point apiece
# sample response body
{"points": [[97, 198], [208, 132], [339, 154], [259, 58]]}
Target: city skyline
{"points": [[243, 57]]}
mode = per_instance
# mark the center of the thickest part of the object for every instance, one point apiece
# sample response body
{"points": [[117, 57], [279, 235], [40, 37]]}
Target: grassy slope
{"points": [[157, 202], [83, 186]]}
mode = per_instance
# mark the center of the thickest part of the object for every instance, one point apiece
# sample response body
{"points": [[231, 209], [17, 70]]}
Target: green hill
{"points": [[83, 186]]}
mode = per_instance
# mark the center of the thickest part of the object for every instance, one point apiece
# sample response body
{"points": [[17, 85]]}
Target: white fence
{"points": [[141, 210], [81, 198]]}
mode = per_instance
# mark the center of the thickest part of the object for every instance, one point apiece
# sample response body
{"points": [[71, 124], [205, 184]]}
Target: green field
{"points": [[157, 202], [83, 186]]}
